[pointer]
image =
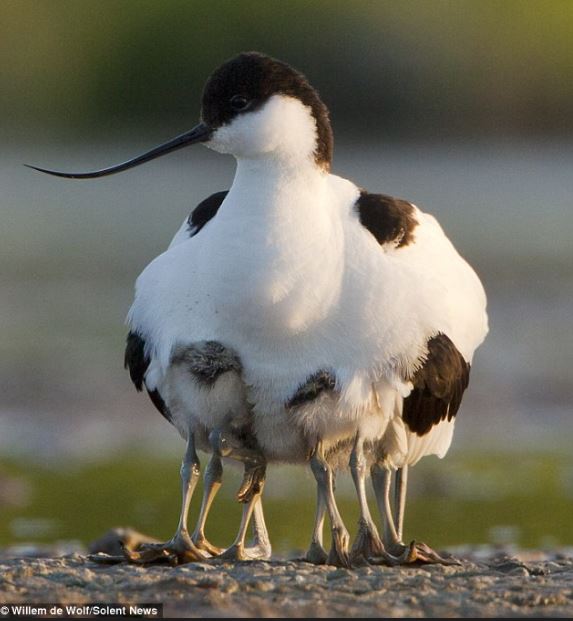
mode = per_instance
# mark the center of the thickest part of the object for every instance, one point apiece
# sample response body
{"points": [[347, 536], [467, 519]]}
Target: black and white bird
{"points": [[299, 318]]}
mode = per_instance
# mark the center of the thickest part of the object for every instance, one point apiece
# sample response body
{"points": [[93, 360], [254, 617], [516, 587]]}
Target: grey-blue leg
{"points": [[401, 487], [250, 493], [180, 548], [211, 484], [323, 474], [402, 554], [316, 553], [367, 543]]}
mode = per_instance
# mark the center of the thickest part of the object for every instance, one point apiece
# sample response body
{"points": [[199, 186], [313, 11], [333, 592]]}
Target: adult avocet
{"points": [[297, 314]]}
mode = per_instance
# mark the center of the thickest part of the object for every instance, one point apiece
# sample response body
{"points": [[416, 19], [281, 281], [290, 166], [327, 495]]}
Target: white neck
{"points": [[273, 202], [273, 186]]}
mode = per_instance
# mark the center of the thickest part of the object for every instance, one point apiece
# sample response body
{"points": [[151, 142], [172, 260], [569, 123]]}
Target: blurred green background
{"points": [[439, 66], [463, 107]]}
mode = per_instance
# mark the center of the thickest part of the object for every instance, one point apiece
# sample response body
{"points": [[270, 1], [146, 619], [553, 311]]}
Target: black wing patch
{"points": [[439, 385], [160, 404], [316, 384], [135, 359], [204, 211], [137, 362], [388, 219]]}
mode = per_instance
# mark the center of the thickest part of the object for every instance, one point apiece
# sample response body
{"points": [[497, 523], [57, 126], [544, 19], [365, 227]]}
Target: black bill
{"points": [[200, 133]]}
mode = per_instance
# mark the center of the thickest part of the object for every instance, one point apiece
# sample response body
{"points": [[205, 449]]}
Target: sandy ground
{"points": [[540, 586]]}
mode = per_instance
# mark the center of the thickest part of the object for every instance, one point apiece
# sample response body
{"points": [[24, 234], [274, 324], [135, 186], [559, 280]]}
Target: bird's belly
{"points": [[291, 416]]}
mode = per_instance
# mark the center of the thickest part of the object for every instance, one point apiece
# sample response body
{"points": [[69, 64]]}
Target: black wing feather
{"points": [[135, 359], [137, 362], [204, 212], [439, 385], [389, 219]]}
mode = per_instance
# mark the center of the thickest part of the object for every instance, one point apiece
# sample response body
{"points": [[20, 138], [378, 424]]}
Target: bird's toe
{"points": [[316, 554], [367, 543], [251, 486], [204, 545], [236, 552], [339, 558], [176, 551], [259, 552], [426, 555], [412, 554]]}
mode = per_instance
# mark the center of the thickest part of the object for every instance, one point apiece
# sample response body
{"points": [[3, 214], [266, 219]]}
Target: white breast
{"points": [[287, 276]]}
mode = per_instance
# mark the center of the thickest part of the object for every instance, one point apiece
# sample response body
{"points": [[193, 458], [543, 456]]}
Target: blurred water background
{"points": [[464, 108]]}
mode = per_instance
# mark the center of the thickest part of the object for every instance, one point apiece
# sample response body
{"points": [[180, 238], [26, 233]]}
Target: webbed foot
{"points": [[259, 552], [339, 554], [415, 553], [177, 551], [316, 554], [425, 555], [252, 484], [239, 552], [204, 545], [367, 543]]}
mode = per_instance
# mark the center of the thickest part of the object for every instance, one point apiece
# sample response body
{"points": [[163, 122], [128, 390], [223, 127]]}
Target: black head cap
{"points": [[246, 82]]}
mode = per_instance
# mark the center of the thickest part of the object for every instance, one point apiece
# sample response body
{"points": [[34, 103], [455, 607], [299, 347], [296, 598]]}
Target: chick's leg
{"points": [[316, 553], [401, 487], [404, 554], [367, 543], [261, 548], [211, 485], [250, 493], [180, 548], [382, 484], [238, 551], [323, 474]]}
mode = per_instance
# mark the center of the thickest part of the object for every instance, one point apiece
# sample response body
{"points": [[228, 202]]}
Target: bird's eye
{"points": [[238, 102]]}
